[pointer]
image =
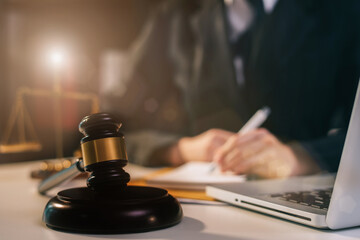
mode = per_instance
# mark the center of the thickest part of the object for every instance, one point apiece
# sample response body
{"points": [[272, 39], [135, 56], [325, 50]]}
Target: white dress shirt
{"points": [[240, 16]]}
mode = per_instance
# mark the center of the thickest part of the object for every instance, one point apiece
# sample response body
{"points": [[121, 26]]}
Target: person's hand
{"points": [[259, 152], [202, 147]]}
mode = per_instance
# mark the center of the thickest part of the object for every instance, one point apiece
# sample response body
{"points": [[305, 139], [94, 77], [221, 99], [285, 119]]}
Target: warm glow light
{"points": [[57, 58]]}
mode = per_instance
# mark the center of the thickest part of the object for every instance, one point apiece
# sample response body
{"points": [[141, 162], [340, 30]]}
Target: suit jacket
{"points": [[302, 60]]}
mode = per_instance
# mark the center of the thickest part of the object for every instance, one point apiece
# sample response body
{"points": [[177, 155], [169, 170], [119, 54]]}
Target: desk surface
{"points": [[21, 210]]}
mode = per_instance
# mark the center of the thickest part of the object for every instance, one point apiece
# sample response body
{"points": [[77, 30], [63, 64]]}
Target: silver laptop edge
{"points": [[344, 207]]}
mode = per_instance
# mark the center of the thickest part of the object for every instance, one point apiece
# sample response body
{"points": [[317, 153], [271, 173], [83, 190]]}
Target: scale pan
{"points": [[20, 147]]}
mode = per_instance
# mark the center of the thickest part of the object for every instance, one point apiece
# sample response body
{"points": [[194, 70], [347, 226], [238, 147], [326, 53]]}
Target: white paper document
{"points": [[193, 176]]}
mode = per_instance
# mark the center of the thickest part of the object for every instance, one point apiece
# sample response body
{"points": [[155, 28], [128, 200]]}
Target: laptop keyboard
{"points": [[319, 199]]}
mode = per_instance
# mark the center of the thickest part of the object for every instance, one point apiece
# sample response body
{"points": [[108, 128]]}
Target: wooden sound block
{"points": [[133, 209]]}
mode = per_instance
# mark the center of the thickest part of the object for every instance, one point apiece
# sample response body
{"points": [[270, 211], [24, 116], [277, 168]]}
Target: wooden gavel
{"points": [[107, 204]]}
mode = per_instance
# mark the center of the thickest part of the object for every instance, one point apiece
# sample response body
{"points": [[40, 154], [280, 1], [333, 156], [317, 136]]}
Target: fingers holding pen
{"points": [[239, 160], [202, 146], [236, 154]]}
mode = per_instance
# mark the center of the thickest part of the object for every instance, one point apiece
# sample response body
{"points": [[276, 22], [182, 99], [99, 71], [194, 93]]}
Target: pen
{"points": [[254, 122]]}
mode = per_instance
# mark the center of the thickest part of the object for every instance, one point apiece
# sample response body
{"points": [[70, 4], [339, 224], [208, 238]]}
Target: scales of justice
{"points": [[20, 133]]}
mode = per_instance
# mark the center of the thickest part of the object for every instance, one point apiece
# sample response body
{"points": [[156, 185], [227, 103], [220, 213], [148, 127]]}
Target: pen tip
{"points": [[266, 110]]}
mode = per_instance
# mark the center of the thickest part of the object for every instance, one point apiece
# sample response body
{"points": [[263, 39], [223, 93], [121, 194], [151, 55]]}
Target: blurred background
{"points": [[88, 36]]}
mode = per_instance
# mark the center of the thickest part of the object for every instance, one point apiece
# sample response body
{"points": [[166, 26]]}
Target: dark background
{"points": [[87, 28]]}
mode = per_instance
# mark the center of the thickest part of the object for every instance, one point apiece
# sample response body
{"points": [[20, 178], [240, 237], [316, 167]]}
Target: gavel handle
{"points": [[62, 176]]}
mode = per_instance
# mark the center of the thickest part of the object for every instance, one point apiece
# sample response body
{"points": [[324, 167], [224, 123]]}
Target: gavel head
{"points": [[104, 152]]}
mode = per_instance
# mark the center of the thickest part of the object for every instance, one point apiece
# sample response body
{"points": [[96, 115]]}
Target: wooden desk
{"points": [[21, 209]]}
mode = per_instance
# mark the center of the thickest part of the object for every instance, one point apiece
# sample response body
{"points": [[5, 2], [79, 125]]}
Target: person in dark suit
{"points": [[196, 77]]}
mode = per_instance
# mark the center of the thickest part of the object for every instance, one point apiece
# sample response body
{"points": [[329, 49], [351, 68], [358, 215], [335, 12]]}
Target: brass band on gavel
{"points": [[104, 149]]}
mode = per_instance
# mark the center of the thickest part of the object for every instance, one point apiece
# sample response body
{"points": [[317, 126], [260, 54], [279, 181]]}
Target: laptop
{"points": [[321, 201]]}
